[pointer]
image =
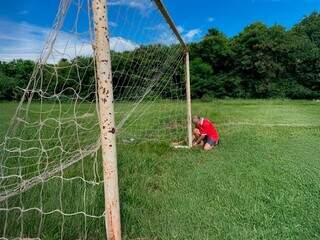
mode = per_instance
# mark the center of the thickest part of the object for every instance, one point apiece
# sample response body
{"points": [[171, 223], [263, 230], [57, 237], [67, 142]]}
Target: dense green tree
{"points": [[310, 26], [202, 78], [303, 67], [261, 55], [215, 50], [14, 77], [7, 87]]}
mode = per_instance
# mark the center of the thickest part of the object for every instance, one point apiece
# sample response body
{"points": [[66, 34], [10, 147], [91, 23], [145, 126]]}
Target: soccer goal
{"points": [[112, 74]]}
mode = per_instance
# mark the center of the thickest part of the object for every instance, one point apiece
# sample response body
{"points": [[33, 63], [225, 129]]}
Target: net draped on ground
{"points": [[51, 179]]}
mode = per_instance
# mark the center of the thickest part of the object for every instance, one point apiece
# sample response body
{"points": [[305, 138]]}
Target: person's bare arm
{"points": [[199, 140]]}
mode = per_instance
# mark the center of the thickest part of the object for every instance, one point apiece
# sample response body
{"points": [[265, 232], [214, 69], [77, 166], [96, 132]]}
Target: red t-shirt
{"points": [[207, 128]]}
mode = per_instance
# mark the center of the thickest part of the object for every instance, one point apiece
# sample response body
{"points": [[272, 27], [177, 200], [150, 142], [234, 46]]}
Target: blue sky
{"points": [[231, 16], [25, 24]]}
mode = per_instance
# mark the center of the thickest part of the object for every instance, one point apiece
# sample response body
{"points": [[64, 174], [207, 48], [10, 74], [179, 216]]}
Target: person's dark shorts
{"points": [[210, 141]]}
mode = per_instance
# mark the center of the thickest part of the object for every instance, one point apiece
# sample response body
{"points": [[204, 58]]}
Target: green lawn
{"points": [[262, 182]]}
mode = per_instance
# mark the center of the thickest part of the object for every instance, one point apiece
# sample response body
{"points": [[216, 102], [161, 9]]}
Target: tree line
{"points": [[146, 68], [259, 62]]}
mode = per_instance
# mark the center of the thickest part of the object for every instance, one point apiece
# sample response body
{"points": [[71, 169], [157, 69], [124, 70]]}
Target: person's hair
{"points": [[196, 117]]}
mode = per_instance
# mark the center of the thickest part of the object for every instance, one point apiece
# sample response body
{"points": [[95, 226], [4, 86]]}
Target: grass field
{"points": [[262, 182]]}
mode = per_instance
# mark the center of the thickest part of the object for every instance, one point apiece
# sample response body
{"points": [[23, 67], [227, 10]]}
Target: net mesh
{"points": [[51, 178]]}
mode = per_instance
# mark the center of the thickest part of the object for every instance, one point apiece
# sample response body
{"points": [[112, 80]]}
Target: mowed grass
{"points": [[262, 182]]}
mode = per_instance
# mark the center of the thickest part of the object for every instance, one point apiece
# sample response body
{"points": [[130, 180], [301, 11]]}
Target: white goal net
{"points": [[51, 184]]}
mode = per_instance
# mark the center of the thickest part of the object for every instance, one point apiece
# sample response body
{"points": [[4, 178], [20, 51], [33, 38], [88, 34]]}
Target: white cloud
{"points": [[142, 5], [211, 19], [180, 29], [120, 44], [113, 24], [24, 12], [157, 27], [191, 34], [270, 1], [20, 40], [163, 34], [26, 41]]}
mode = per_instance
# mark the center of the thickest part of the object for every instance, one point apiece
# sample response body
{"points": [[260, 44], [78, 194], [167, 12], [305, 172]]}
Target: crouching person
{"points": [[205, 133]]}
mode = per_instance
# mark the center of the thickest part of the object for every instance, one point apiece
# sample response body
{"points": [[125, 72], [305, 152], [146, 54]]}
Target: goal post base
{"points": [[181, 147]]}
